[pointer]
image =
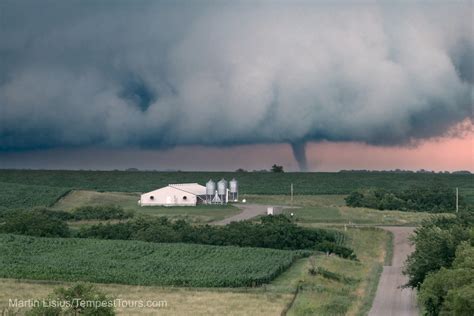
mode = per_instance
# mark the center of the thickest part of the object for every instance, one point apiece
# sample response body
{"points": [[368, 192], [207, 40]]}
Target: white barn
{"points": [[184, 194]]}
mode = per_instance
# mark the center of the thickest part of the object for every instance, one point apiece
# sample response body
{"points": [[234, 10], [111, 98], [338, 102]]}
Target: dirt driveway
{"points": [[248, 211], [391, 299]]}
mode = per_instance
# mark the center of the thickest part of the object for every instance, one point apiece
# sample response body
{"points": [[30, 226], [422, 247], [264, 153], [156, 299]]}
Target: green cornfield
{"points": [[14, 195], [310, 183], [139, 263]]}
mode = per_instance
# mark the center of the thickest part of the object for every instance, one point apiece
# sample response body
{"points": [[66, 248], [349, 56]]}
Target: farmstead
{"points": [[186, 194]]}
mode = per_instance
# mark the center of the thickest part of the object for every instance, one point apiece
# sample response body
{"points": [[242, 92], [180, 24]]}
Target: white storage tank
{"points": [[222, 190], [210, 190], [233, 186], [234, 190], [222, 187]]}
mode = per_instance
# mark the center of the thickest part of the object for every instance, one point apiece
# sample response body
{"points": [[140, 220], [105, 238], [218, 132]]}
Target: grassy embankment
{"points": [[354, 287]]}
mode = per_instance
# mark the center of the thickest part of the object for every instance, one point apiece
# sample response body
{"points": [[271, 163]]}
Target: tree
{"points": [[451, 291], [436, 242], [355, 199], [41, 223], [277, 168]]}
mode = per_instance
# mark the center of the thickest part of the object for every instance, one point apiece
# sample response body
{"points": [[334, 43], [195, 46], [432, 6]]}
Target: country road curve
{"points": [[391, 299]]}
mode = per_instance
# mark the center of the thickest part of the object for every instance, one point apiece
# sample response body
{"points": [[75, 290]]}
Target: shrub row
{"points": [[434, 199], [276, 232], [47, 223]]}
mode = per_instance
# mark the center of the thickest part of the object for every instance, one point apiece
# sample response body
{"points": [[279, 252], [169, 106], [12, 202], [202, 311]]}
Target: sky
{"points": [[221, 85]]}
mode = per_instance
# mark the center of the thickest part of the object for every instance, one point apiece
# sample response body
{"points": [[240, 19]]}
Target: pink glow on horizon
{"points": [[443, 154]]}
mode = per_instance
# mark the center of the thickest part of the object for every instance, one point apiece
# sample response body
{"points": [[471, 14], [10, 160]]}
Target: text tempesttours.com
{"points": [[117, 303]]}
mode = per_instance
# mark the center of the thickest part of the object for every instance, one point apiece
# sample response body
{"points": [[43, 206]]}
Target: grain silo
{"points": [[234, 190], [210, 190], [222, 190]]}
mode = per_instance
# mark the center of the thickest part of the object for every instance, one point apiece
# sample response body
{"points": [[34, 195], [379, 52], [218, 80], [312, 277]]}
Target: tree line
{"points": [[277, 232], [434, 199]]}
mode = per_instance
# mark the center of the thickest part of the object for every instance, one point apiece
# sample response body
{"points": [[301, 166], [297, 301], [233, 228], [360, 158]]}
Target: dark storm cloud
{"points": [[160, 74]]}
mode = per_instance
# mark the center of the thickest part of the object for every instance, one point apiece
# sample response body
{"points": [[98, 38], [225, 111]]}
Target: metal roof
{"points": [[193, 188]]}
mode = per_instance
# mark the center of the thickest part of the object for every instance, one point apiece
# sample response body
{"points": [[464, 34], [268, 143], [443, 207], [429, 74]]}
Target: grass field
{"points": [[198, 214], [139, 263], [319, 295], [331, 209], [179, 301]]}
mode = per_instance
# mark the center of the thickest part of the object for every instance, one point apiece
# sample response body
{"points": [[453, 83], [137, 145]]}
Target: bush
{"points": [[39, 223], [355, 199], [76, 299], [330, 247], [435, 199]]}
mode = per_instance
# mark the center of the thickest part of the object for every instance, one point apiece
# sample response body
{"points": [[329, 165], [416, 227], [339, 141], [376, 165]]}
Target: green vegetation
{"points": [[331, 210], [104, 212], [337, 286], [15, 195], [249, 182], [141, 263], [42, 223], [316, 296], [436, 242], [450, 291], [75, 300], [50, 223], [344, 287], [442, 266], [435, 199], [81, 198], [276, 232]]}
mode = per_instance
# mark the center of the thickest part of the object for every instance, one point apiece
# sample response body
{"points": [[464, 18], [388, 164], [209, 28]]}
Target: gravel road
{"points": [[391, 299]]}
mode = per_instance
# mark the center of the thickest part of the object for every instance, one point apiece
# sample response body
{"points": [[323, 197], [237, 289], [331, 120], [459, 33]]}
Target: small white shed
{"points": [[184, 194]]}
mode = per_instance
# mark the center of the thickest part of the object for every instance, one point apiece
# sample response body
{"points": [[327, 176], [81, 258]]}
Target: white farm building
{"points": [[184, 194]]}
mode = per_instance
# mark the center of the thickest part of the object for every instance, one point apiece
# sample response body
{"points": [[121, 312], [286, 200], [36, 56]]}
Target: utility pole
{"points": [[291, 193], [457, 200]]}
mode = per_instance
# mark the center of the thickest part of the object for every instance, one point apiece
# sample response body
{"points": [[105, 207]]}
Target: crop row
{"points": [[139, 263], [14, 195], [26, 188], [250, 182]]}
